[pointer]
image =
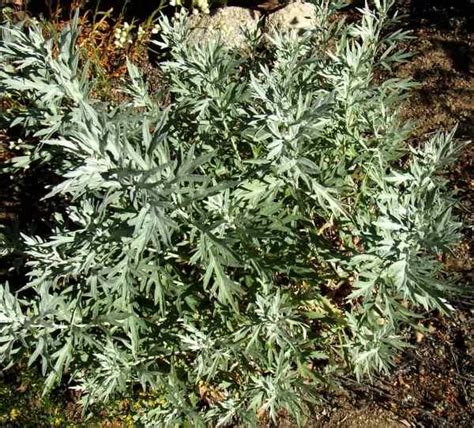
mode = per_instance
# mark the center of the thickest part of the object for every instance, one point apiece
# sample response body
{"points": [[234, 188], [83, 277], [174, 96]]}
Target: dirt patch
{"points": [[443, 64], [368, 417]]}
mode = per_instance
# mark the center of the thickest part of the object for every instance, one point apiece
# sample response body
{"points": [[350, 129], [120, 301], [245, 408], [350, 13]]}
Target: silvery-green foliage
{"points": [[204, 226]]}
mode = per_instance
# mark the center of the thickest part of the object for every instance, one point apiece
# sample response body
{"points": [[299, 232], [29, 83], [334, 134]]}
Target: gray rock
{"points": [[228, 22], [231, 21], [295, 16]]}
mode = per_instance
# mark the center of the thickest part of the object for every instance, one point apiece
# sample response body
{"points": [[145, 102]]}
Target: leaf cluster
{"points": [[207, 227]]}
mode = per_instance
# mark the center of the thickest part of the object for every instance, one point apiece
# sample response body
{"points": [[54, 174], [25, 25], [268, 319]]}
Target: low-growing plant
{"points": [[236, 239]]}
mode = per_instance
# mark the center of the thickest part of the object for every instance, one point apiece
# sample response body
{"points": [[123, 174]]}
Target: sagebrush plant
{"points": [[236, 239]]}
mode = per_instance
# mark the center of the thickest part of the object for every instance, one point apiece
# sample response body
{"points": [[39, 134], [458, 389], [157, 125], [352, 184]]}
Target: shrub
{"points": [[235, 240]]}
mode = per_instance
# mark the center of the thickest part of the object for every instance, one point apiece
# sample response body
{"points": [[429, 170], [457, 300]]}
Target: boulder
{"points": [[297, 16], [230, 22]]}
